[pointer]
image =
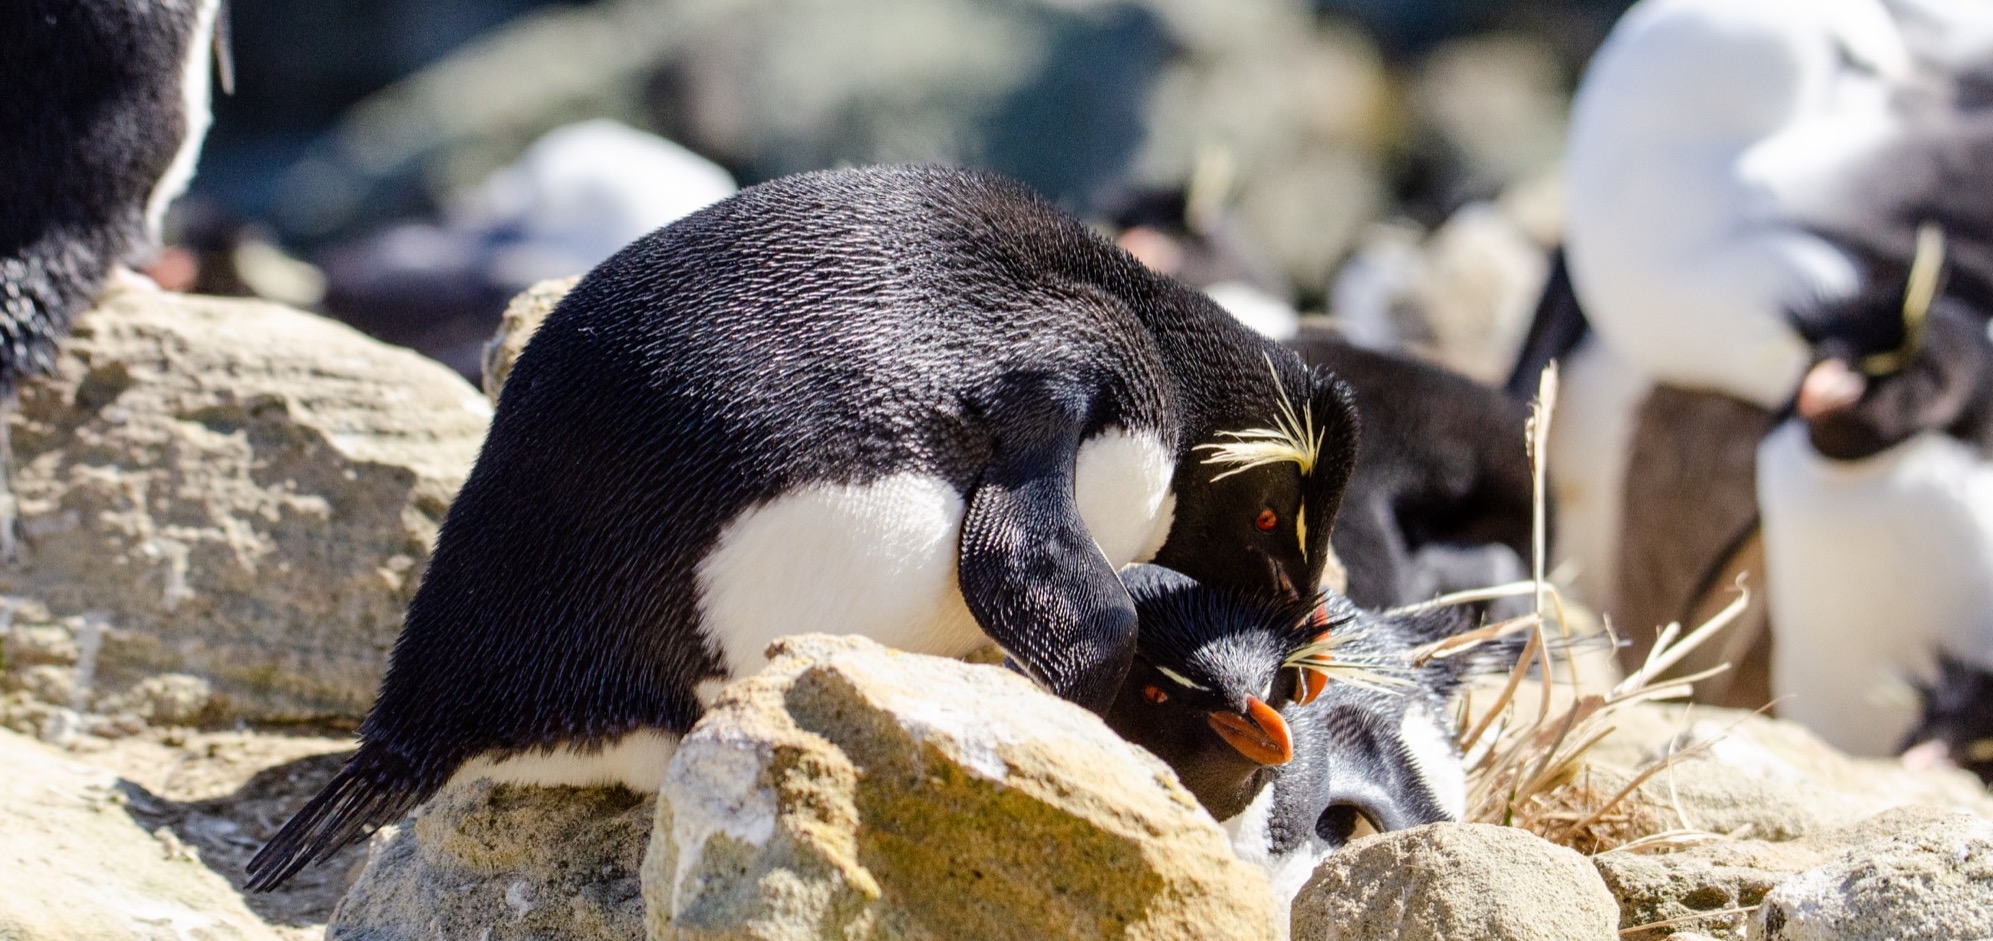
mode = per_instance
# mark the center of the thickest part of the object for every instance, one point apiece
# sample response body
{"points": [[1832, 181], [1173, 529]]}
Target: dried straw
{"points": [[1529, 770]]}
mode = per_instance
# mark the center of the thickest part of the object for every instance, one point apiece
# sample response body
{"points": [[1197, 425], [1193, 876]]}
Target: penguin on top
{"points": [[914, 403], [1754, 187], [105, 108], [1364, 734]]}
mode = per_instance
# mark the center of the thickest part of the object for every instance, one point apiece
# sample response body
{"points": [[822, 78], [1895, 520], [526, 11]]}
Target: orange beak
{"points": [[1260, 734]]}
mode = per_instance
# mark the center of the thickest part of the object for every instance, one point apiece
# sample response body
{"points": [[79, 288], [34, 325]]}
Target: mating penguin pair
{"points": [[105, 108], [914, 403], [1347, 729]]}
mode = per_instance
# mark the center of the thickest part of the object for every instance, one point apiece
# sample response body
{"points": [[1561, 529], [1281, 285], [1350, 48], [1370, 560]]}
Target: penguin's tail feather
{"points": [[350, 808]]}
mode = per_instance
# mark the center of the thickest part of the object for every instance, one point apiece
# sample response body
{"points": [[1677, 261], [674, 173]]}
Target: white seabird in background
{"points": [[582, 192], [1747, 181]]}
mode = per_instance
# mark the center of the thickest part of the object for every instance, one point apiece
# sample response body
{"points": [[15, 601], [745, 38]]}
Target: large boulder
{"points": [[1774, 802], [1768, 779], [1444, 881], [76, 865], [233, 491], [505, 863], [1904, 875], [854, 792]]}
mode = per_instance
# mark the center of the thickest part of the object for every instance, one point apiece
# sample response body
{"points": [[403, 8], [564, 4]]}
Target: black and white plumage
{"points": [[1441, 499], [1760, 194], [914, 403], [1955, 722], [105, 107], [1370, 732]]}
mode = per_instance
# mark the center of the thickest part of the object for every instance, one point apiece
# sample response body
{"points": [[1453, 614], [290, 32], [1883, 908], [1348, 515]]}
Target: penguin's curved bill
{"points": [[1260, 734]]}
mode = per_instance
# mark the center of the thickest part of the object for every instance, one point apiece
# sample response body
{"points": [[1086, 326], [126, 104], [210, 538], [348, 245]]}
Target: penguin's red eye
{"points": [[1155, 694], [1267, 521]]}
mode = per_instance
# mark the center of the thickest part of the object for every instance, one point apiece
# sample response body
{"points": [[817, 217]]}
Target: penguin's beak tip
{"points": [[1259, 733], [1828, 387]]}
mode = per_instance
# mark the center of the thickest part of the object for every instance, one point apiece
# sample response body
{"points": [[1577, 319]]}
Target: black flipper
{"points": [[1032, 573], [367, 794]]}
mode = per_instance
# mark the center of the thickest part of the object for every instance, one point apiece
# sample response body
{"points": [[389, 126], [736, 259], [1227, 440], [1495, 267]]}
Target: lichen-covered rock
{"points": [[1448, 881], [853, 792], [1906, 874], [75, 865], [503, 862], [234, 491], [522, 319]]}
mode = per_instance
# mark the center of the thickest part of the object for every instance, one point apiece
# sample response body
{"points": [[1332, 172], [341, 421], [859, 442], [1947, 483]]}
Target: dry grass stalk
{"points": [[1529, 771]]}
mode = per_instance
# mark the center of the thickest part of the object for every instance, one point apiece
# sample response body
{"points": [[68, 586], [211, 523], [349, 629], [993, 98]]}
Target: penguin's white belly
{"points": [[1872, 565], [879, 559], [1250, 835]]}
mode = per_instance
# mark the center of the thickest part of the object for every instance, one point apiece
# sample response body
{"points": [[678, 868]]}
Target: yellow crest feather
{"points": [[1320, 656], [1294, 438]]}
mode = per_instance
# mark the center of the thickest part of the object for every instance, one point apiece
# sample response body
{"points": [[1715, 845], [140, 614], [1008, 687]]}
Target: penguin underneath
{"points": [[1364, 733], [105, 109], [914, 403]]}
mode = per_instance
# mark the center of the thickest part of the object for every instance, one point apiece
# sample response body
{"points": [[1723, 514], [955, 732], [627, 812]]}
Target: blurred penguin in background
{"points": [[1785, 203], [105, 108]]}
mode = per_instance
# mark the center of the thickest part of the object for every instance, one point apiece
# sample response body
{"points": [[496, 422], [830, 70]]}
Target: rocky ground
{"points": [[187, 645]]}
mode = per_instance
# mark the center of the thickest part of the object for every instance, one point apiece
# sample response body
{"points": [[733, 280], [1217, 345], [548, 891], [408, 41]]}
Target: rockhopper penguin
{"points": [[105, 108], [914, 403], [1365, 738], [1760, 193]]}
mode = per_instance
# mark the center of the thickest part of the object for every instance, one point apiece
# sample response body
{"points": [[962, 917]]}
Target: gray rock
{"points": [[1904, 875], [853, 792], [30, 645], [167, 699], [1447, 881], [76, 867], [502, 862], [237, 492], [522, 319], [1763, 778], [1703, 886]]}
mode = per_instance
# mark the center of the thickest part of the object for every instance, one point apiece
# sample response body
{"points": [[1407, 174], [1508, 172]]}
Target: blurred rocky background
{"points": [[390, 144]]}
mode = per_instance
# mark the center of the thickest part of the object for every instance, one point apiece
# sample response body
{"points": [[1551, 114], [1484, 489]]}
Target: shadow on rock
{"points": [[226, 831]]}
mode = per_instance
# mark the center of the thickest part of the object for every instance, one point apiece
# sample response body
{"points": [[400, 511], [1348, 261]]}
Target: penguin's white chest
{"points": [[879, 559], [1872, 565]]}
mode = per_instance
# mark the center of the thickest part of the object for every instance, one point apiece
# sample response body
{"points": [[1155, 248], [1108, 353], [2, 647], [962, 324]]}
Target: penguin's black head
{"points": [[1857, 403], [1257, 497], [1958, 717], [1208, 681]]}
